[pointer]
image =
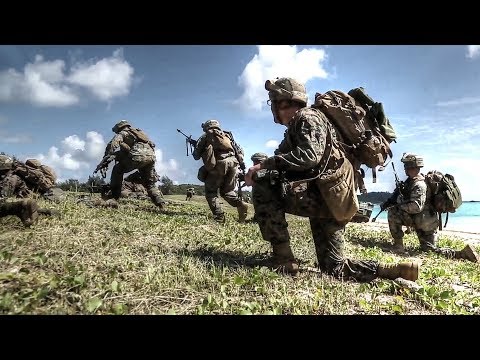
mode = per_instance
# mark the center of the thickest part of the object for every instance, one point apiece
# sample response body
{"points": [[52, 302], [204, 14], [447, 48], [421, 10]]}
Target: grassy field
{"points": [[137, 260]]}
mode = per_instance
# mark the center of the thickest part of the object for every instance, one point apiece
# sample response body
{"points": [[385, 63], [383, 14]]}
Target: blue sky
{"points": [[59, 103]]}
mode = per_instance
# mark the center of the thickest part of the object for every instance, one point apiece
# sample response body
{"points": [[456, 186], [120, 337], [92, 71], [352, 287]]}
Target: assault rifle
{"points": [[189, 142], [392, 201], [103, 166]]}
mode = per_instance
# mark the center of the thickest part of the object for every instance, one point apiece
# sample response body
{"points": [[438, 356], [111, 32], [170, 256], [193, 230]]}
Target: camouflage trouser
{"points": [[222, 178], [13, 185], [189, 195], [425, 226], [148, 175], [328, 234]]}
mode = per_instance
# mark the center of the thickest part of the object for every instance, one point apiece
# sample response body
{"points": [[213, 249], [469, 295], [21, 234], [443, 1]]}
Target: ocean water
{"points": [[466, 218]]}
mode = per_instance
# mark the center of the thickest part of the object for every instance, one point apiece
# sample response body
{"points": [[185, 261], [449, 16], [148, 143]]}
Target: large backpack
{"points": [[362, 127], [445, 195], [37, 176]]}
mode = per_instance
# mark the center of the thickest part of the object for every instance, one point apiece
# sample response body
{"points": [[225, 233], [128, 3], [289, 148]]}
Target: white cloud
{"points": [[165, 167], [473, 51], [17, 139], [7, 138], [277, 61], [40, 84], [95, 145], [460, 101], [47, 83], [72, 143], [271, 144], [106, 78], [77, 155]]}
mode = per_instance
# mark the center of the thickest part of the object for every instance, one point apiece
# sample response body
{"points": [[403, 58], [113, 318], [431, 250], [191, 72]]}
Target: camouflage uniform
{"points": [[132, 153], [10, 183], [222, 177], [132, 187], [300, 156], [190, 193], [413, 208]]}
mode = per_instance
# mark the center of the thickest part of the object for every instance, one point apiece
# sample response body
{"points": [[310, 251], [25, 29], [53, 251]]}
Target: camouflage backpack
{"points": [[219, 140], [445, 195], [142, 152], [362, 128], [37, 176]]}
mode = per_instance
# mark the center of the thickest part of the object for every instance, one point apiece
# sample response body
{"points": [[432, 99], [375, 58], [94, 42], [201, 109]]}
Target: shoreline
{"points": [[468, 237]]}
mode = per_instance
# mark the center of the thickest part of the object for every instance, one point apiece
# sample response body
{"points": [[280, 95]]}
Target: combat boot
{"points": [[26, 210], [242, 209], [159, 202], [468, 253], [283, 259], [405, 270], [220, 218], [398, 246]]}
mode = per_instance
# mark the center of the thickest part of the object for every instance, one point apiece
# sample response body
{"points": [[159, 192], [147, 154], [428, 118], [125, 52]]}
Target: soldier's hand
{"points": [[248, 176]]}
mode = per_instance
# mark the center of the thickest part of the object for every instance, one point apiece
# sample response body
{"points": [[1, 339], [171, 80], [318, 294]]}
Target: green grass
{"points": [[137, 260]]}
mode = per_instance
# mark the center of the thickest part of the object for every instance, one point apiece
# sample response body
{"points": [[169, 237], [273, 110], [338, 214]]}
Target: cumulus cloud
{"points": [[473, 51], [106, 78], [48, 83], [277, 61], [75, 156], [271, 144], [164, 167]]}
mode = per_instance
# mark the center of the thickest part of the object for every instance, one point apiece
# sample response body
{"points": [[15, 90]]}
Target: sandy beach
{"points": [[468, 237]]}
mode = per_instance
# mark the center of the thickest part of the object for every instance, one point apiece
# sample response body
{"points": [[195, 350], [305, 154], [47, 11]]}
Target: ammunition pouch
{"points": [[202, 174]]}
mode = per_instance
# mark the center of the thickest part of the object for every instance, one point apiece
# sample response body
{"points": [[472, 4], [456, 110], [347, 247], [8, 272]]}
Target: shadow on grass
{"points": [[385, 246], [226, 258]]}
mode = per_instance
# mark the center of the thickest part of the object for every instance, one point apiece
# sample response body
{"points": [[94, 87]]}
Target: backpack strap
{"points": [[446, 221]]}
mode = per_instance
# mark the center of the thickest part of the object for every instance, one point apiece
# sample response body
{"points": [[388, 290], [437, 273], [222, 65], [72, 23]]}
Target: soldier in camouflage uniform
{"points": [[132, 187], [257, 158], [221, 175], [411, 207], [26, 210], [10, 183], [133, 150], [190, 193], [310, 151]]}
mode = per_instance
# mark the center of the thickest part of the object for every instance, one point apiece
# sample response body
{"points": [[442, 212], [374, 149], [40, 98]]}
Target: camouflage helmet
{"points": [[411, 160], [210, 124], [258, 157], [6, 162], [286, 89], [120, 125]]}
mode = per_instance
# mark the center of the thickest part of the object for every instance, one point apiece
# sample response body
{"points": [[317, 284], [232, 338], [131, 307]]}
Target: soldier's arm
{"points": [[310, 137], [416, 201], [283, 147], [200, 147], [114, 144]]}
